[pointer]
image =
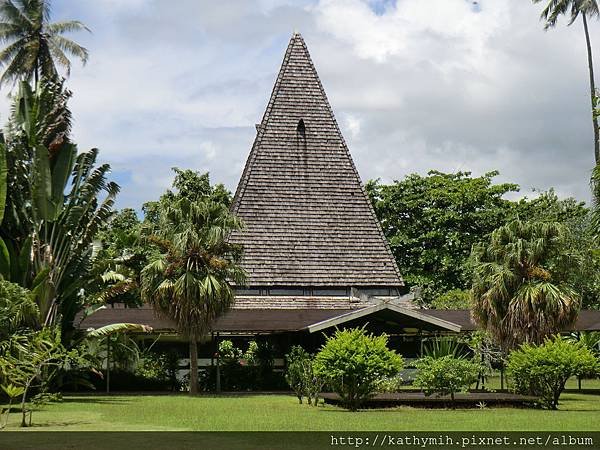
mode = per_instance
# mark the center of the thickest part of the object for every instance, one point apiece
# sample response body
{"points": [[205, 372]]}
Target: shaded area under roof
{"points": [[292, 320]]}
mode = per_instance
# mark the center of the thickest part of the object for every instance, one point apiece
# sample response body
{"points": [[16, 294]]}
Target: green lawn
{"points": [[282, 412]]}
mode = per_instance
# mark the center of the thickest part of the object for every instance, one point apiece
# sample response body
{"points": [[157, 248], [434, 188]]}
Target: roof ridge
{"points": [[239, 192], [347, 150]]}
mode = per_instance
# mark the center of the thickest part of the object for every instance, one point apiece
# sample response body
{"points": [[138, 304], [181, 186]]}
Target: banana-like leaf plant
{"points": [[56, 202]]}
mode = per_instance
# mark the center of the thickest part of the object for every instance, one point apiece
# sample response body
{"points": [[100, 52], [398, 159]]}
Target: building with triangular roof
{"points": [[314, 252]]}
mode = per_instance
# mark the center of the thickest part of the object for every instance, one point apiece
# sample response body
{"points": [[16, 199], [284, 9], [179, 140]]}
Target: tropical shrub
{"points": [[390, 384], [33, 361], [153, 366], [445, 375], [589, 339], [229, 353], [543, 369], [484, 350], [12, 392], [302, 377], [445, 346], [17, 309], [313, 382], [353, 362], [294, 373], [245, 371], [260, 355]]}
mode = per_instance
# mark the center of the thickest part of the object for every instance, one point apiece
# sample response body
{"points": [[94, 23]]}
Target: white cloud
{"points": [[423, 85]]}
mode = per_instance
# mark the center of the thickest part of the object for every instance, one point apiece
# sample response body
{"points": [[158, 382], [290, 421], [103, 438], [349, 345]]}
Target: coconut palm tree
{"points": [[34, 46], [518, 292], [189, 280], [575, 8]]}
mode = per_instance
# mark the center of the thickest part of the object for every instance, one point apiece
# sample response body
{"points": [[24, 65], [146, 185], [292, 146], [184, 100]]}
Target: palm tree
{"points": [[189, 281], [586, 8], [34, 45], [518, 292]]}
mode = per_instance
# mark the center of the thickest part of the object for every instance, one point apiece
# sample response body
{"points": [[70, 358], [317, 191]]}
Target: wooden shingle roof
{"points": [[308, 219], [281, 320]]}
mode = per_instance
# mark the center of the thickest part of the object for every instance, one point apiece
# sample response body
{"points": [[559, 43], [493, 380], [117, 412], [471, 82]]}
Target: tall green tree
{"points": [[432, 221], [123, 251], [520, 292], [574, 9], [34, 45], [188, 184], [190, 280]]}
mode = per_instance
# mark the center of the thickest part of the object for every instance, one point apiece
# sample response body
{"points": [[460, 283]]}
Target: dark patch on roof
{"points": [[308, 219]]}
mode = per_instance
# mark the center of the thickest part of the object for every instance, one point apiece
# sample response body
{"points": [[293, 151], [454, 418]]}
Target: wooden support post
{"points": [[482, 372], [579, 376], [108, 364], [214, 349], [218, 366]]}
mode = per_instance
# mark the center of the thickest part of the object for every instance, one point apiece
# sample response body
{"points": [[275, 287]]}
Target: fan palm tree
{"points": [[518, 294], [189, 281], [575, 8], [34, 46]]}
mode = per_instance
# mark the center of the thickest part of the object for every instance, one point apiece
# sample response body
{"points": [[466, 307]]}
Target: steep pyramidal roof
{"points": [[308, 219]]}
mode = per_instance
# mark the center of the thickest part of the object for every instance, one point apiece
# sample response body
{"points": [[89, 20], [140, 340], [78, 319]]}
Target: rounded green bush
{"points": [[544, 369], [354, 363]]}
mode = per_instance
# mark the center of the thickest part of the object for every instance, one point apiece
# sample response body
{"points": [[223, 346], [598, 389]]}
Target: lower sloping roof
{"points": [[236, 320], [312, 320], [588, 319]]}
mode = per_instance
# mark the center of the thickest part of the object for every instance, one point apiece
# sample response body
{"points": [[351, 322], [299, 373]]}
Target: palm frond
{"points": [[69, 46], [118, 328], [66, 27]]}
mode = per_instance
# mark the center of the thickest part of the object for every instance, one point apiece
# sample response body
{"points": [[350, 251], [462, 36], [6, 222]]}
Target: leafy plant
{"points": [[312, 380], [56, 202], [18, 309], [444, 346], [33, 362], [12, 392], [446, 375], [589, 339], [543, 370], [485, 351], [229, 353], [294, 373], [353, 362]]}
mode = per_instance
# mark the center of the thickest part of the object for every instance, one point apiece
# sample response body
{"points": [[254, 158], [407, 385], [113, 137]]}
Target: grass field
{"points": [[283, 413]]}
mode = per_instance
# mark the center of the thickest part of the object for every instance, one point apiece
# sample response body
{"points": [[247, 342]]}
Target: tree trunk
{"points": [[23, 412], [193, 366], [592, 90]]}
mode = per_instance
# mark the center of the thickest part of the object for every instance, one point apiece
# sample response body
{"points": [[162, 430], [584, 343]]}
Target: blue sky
{"points": [[443, 84]]}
